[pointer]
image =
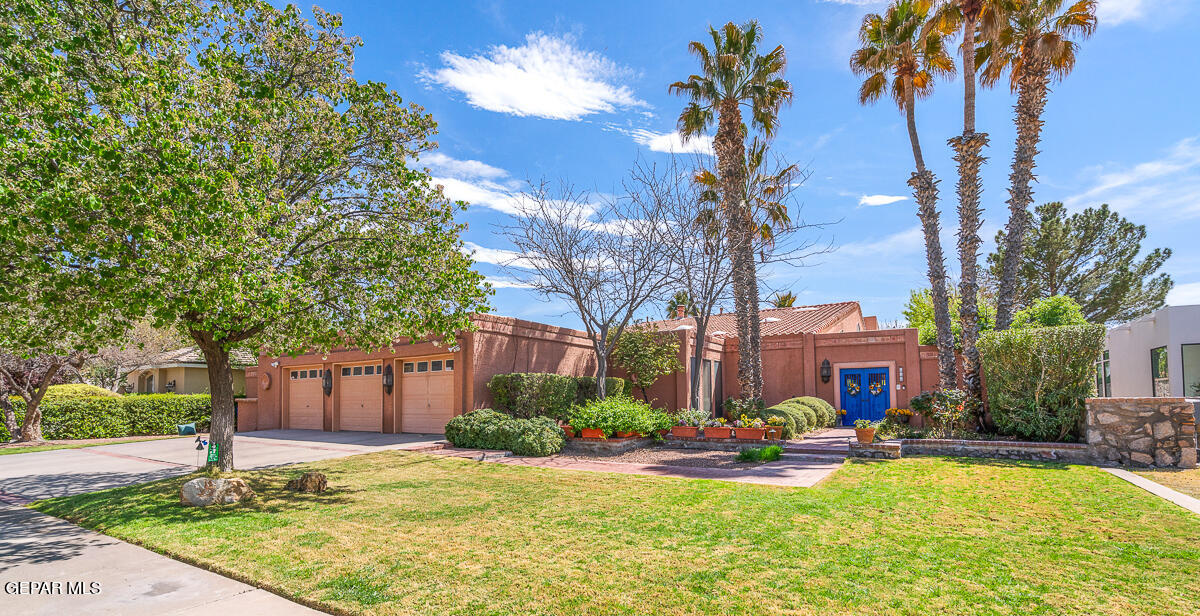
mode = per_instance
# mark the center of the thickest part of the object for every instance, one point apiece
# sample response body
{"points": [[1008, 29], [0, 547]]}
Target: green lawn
{"points": [[13, 449], [417, 534]]}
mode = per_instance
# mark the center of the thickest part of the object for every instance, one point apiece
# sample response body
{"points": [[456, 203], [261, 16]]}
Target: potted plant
{"points": [[568, 430], [689, 422], [752, 429], [775, 428], [899, 415], [716, 428], [864, 430]]}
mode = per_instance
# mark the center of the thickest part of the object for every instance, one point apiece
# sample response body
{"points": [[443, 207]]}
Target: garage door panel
{"points": [[305, 399], [428, 399], [360, 399]]}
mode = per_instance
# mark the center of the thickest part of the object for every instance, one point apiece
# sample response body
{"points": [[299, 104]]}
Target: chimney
{"points": [[679, 311]]}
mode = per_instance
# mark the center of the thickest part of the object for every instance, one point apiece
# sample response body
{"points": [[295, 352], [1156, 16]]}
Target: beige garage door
{"points": [[427, 395], [304, 399], [360, 398]]}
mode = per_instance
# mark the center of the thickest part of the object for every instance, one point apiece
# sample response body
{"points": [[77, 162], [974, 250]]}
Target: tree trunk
{"points": [[31, 427], [967, 154], [220, 385], [756, 373], [925, 191], [1031, 100], [601, 365], [698, 362]]}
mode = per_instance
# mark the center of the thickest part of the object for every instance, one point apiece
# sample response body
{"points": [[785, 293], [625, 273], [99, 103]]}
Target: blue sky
{"points": [[531, 90]]}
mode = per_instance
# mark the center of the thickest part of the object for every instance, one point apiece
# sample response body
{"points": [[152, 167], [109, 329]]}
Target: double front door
{"points": [[864, 394]]}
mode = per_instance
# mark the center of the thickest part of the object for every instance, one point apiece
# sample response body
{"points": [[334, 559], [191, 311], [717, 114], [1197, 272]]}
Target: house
{"points": [[830, 350], [184, 371], [1157, 355]]}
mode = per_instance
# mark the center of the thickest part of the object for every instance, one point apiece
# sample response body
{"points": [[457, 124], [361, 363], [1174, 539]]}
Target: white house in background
{"points": [[1156, 355]]}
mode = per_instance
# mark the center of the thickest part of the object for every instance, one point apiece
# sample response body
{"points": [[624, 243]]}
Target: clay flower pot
{"points": [[753, 434], [865, 435], [569, 431], [684, 431], [591, 433], [718, 433], [775, 433], [623, 434]]}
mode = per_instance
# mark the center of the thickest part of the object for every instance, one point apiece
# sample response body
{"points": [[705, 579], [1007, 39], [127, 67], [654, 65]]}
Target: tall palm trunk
{"points": [[1031, 101], [967, 149], [925, 191], [731, 154]]}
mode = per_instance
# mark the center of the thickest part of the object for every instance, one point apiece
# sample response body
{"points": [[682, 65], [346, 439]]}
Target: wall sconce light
{"points": [[389, 378], [826, 371], [327, 382], [900, 370], [274, 364]]}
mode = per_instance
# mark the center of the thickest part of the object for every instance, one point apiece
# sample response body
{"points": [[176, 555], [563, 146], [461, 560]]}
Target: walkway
{"points": [[1157, 489], [831, 441]]}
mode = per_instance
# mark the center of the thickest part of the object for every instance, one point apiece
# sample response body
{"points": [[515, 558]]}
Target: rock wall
{"points": [[1142, 431]]}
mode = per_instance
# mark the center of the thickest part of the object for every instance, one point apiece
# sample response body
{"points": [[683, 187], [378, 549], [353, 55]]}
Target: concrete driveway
{"points": [[48, 566]]}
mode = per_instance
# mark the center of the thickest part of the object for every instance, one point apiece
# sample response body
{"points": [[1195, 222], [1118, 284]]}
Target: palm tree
{"points": [[681, 300], [1031, 40], [733, 74], [899, 55], [783, 300], [953, 16]]}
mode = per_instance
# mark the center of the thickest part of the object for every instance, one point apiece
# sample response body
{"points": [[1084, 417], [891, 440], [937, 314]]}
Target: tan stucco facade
{"points": [[186, 379]]}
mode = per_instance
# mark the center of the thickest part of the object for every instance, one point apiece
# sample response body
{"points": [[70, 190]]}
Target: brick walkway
{"points": [[831, 441]]}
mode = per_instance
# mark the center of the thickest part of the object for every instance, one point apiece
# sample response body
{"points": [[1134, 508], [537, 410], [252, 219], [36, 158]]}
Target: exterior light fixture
{"points": [[389, 378], [327, 382], [826, 371], [171, 387]]}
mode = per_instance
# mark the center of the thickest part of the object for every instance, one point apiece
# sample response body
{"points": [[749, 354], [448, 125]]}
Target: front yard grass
{"points": [[402, 533], [1186, 481]]}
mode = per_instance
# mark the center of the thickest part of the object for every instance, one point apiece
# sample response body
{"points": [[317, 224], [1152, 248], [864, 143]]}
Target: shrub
{"points": [[488, 429], [949, 412], [78, 390], [526, 395], [795, 422], [812, 417], [922, 404], [614, 385], [619, 414], [117, 416], [1037, 379], [826, 415], [770, 453]]}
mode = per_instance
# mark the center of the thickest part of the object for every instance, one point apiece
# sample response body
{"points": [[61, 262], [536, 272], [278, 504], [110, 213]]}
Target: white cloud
{"points": [[1184, 294], [496, 256], [877, 200], [906, 242], [547, 77], [673, 142], [1170, 183], [507, 283], [440, 164], [1113, 12]]}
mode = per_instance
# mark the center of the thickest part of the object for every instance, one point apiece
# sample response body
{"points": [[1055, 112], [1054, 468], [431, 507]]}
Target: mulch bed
{"points": [[672, 457]]}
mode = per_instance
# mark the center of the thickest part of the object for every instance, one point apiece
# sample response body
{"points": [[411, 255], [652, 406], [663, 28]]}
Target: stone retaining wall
{"points": [[1074, 453], [718, 444], [1142, 431], [601, 446]]}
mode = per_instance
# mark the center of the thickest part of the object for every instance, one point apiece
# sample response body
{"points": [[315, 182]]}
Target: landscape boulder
{"points": [[309, 482], [206, 491]]}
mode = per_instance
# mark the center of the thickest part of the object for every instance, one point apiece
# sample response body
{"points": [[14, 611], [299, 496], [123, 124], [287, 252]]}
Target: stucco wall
{"points": [[1129, 348], [188, 380], [503, 345]]}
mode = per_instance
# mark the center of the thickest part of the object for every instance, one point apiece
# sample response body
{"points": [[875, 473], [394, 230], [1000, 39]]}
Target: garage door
{"points": [[305, 399], [427, 395], [360, 398]]}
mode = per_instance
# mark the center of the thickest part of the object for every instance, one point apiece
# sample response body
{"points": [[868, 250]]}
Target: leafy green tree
{"points": [[647, 355], [681, 298], [1055, 311], [1031, 40], [902, 57], [1095, 257], [918, 313], [733, 74]]}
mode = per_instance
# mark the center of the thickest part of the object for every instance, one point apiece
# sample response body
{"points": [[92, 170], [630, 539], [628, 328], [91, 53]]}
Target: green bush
{"points": [[619, 414], [115, 417], [795, 422], [613, 385], [769, 453], [78, 390], [540, 394], [826, 414], [488, 429], [1037, 379]]}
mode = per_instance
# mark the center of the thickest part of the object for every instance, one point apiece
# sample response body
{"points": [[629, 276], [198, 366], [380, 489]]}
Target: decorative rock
{"points": [[1163, 429], [1163, 458], [206, 491], [309, 482], [1187, 458], [1141, 458], [1143, 444], [1107, 418]]}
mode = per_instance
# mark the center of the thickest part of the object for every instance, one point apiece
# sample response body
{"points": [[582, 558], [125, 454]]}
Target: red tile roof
{"points": [[773, 321]]}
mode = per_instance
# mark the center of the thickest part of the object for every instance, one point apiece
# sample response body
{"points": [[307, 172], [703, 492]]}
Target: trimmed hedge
{"points": [[115, 417], [794, 422], [78, 390], [488, 429], [539, 394], [1038, 379], [802, 415], [826, 414]]}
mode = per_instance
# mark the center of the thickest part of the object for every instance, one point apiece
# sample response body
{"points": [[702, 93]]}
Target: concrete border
{"points": [[1157, 489]]}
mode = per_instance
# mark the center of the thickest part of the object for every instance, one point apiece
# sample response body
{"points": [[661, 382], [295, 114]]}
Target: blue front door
{"points": [[865, 394]]}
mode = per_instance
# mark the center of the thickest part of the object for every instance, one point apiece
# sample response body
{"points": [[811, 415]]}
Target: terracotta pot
{"points": [[753, 434], [591, 433], [569, 431], [621, 434], [775, 433], [684, 431], [718, 433], [661, 433], [865, 435]]}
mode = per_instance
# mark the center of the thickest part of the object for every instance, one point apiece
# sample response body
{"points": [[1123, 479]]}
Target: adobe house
{"points": [[184, 371], [830, 351]]}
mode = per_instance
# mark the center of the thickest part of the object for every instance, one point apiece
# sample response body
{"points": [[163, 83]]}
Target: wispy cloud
{"points": [[547, 77], [673, 142], [1170, 183], [495, 256], [500, 282], [878, 200], [906, 242], [440, 164]]}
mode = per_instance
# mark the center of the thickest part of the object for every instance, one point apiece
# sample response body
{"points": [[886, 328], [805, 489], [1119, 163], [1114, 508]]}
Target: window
{"points": [[345, 371], [358, 371], [312, 374], [449, 364], [294, 375], [1103, 377], [369, 370], [435, 366], [408, 367], [423, 366], [1159, 375], [1191, 370]]}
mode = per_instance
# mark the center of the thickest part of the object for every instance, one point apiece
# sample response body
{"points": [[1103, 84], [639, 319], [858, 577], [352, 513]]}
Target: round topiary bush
{"points": [[826, 415]]}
